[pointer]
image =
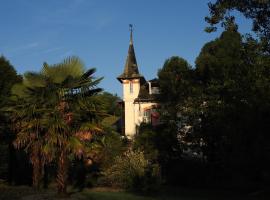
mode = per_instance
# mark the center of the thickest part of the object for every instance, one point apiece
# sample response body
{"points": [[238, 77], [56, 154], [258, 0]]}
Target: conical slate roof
{"points": [[131, 70]]}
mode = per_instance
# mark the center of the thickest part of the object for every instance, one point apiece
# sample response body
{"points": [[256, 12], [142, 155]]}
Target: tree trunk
{"points": [[37, 167], [62, 173], [45, 177]]}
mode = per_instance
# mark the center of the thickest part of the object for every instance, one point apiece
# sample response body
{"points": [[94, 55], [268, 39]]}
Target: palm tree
{"points": [[66, 117], [69, 128]]}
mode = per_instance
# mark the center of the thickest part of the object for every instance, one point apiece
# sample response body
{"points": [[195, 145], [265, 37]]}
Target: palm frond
{"points": [[19, 90], [75, 146], [49, 152], [88, 73], [58, 73], [87, 93], [21, 140], [109, 121], [84, 135], [34, 79], [92, 127]]}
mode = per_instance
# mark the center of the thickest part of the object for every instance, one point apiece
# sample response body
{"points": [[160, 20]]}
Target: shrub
{"points": [[132, 171], [112, 146], [146, 141], [105, 150]]}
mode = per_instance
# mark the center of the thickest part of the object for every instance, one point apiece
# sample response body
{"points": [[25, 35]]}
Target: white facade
{"points": [[131, 90], [135, 112]]}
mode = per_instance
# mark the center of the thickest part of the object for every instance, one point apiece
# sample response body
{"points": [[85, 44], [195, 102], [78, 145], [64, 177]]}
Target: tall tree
{"points": [[233, 73], [256, 10], [174, 80], [65, 94], [8, 77]]}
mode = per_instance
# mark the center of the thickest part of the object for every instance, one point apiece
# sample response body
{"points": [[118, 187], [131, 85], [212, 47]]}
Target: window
{"points": [[147, 116], [155, 90], [130, 87]]}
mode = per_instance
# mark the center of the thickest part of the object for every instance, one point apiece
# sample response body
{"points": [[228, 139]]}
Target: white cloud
{"points": [[52, 49], [21, 48]]}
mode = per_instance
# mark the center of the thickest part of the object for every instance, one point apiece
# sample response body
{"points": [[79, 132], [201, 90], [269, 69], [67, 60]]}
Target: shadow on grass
{"points": [[171, 193], [168, 193]]}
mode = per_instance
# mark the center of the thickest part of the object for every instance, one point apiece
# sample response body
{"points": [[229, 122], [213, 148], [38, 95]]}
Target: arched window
{"points": [[130, 87]]}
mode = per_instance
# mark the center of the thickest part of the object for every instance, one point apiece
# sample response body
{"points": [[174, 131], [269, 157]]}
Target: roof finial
{"points": [[131, 31]]}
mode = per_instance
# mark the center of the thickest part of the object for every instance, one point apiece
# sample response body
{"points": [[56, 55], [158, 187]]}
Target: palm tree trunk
{"points": [[36, 174], [45, 177], [37, 167], [62, 173]]}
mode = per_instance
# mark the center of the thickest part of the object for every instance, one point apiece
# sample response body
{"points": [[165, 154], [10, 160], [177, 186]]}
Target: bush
{"points": [[146, 141], [112, 146], [106, 148], [132, 171]]}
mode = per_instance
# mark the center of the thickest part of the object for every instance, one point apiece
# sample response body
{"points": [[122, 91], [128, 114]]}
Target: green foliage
{"points": [[159, 144], [110, 103], [112, 146], [8, 77], [217, 58], [221, 108], [133, 171], [256, 10], [56, 114], [234, 78], [105, 148], [146, 140], [173, 79], [177, 89], [110, 121]]}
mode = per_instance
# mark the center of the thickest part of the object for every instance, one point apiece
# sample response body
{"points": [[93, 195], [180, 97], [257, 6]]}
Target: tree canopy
{"points": [[8, 77], [256, 10], [174, 78]]}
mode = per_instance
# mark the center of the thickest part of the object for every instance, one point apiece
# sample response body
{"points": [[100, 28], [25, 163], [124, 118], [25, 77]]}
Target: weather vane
{"points": [[131, 30], [131, 27]]}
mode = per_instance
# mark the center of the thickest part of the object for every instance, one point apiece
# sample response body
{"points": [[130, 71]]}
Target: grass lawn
{"points": [[27, 193], [176, 194], [114, 196]]}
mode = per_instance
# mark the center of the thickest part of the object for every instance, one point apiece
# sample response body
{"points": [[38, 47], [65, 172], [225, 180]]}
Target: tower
{"points": [[131, 81]]}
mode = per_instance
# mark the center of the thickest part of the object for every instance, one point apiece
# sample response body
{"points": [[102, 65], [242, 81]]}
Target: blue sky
{"points": [[35, 31]]}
